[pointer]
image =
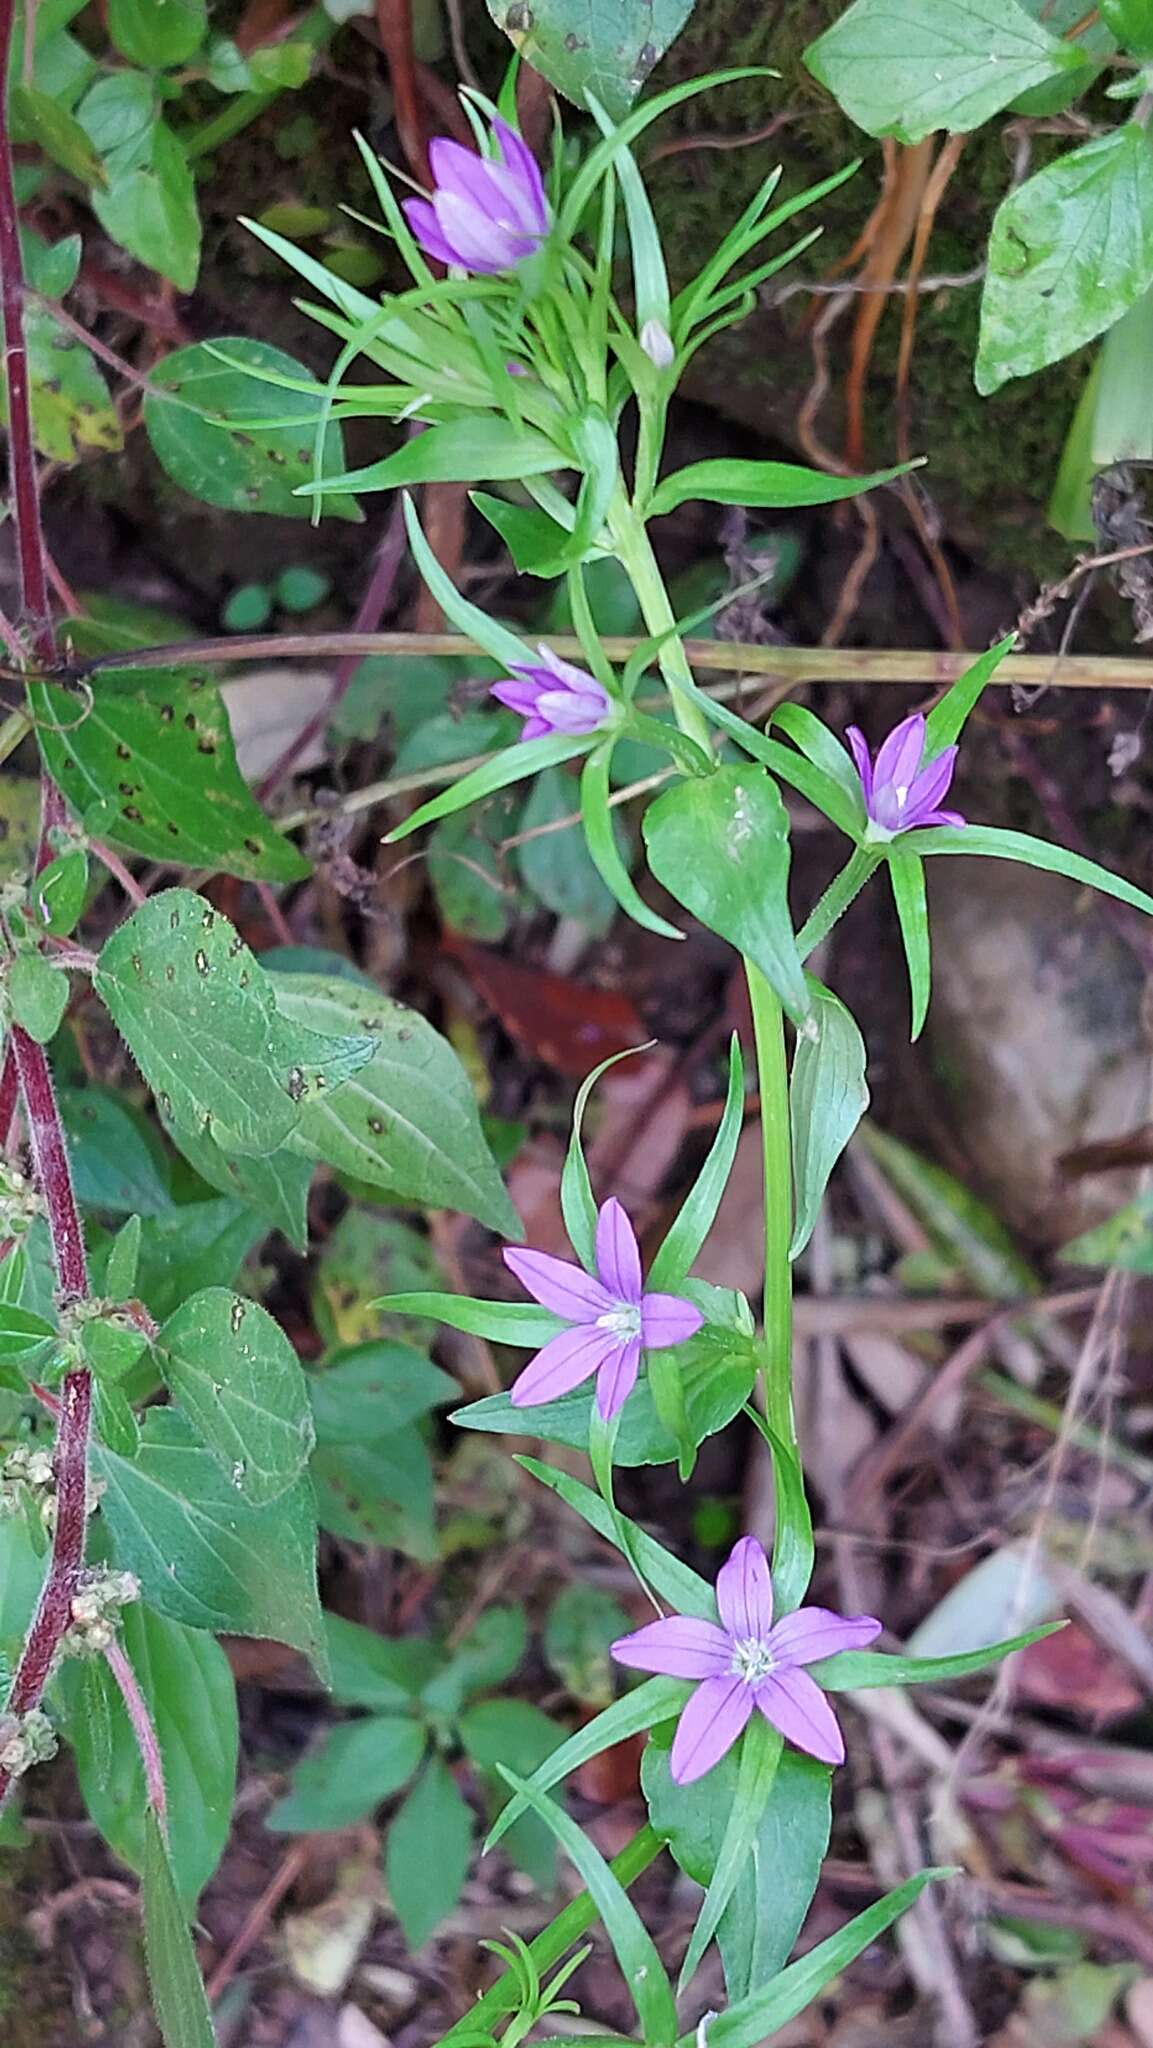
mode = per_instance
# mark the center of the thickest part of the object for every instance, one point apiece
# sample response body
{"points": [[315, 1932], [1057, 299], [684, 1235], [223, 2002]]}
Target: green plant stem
{"points": [[634, 551], [863, 862], [776, 1137], [550, 1945]]}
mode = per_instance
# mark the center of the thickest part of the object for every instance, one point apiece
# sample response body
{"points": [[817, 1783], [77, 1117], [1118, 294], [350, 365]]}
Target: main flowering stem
{"points": [[776, 1139], [634, 552]]}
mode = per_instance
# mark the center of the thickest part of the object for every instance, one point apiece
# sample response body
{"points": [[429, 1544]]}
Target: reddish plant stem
{"points": [[9, 1093], [50, 1159], [142, 1727], [23, 481], [394, 26]]}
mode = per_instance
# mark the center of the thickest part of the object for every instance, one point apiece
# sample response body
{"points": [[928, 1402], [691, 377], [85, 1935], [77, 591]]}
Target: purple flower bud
{"points": [[556, 697], [487, 213], [902, 792], [657, 344]]}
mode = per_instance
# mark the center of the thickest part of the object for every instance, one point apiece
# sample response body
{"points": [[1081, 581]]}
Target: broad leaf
{"points": [[173, 1974], [768, 1907], [771, 484], [195, 1245], [239, 1381], [488, 1656], [760, 1753], [381, 1672], [242, 1570], [720, 845], [150, 208], [157, 33], [276, 1187], [828, 1096], [190, 1692], [556, 867], [378, 1493], [603, 47], [513, 1732], [200, 1017], [909, 67], [428, 1853], [407, 1120], [357, 1766], [196, 393], [148, 763], [370, 1390], [1070, 251], [72, 412]]}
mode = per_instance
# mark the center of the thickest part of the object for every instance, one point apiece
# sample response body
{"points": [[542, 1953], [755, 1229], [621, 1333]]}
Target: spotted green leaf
{"points": [[200, 1017], [147, 762], [72, 412], [238, 1379], [606, 47]]}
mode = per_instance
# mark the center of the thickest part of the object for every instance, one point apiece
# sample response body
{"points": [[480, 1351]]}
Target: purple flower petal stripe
{"points": [[556, 697], [746, 1663], [902, 792], [612, 1320], [486, 213]]}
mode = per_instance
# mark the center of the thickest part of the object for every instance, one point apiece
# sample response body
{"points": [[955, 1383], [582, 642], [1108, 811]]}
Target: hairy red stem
{"points": [[9, 1092], [142, 1727], [50, 1160]]}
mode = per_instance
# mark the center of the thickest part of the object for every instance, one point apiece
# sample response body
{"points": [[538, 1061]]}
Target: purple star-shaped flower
{"points": [[612, 1319], [487, 213], [556, 697], [747, 1662], [900, 793]]}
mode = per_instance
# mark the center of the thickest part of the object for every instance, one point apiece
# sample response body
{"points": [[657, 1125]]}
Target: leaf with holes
{"points": [[198, 391], [238, 1379], [408, 1121], [243, 1570], [606, 47], [200, 1017], [148, 763], [72, 412]]}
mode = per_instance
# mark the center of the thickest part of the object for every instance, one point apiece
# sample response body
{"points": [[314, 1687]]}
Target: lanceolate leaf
{"points": [[699, 1209], [407, 1120], [462, 451], [677, 1583], [828, 1096], [173, 1972], [501, 1322], [199, 1015], [1070, 251], [720, 845], [908, 67], [946, 720], [907, 875], [861, 1670], [775, 484], [237, 1377], [604, 852], [524, 758], [603, 47], [187, 1683], [996, 844], [428, 1852], [242, 1570], [148, 763]]}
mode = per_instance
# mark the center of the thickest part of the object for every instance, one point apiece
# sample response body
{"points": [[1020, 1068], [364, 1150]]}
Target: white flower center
{"points": [[624, 1320], [752, 1659]]}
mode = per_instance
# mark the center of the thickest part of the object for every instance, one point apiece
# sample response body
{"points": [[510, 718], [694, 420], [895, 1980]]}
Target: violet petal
{"points": [[523, 164], [480, 242], [953, 818], [932, 782], [795, 1704], [900, 755], [709, 1725], [815, 1632], [745, 1592], [520, 693], [667, 1320], [618, 1253], [568, 712], [559, 1285], [862, 759], [618, 1376], [566, 1361], [421, 217], [680, 1646]]}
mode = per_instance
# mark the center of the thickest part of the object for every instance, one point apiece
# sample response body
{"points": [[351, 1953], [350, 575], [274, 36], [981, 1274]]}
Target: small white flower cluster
{"points": [[25, 1740], [96, 1609]]}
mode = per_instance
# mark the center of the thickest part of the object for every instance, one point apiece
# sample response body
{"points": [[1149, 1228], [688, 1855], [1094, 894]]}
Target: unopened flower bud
{"points": [[657, 344]]}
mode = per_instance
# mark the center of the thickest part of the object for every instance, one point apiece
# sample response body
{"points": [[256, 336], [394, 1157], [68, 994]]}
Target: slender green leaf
{"points": [[907, 875], [861, 1670], [242, 1570], [909, 67], [698, 1212], [578, 1204], [177, 1989], [500, 1322], [720, 845], [782, 485], [601, 842], [997, 844], [489, 634], [463, 451], [407, 1120], [238, 1379], [513, 764], [947, 719], [200, 1017], [812, 736], [747, 2023], [677, 1583], [633, 1946], [828, 1096], [1070, 251]]}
